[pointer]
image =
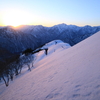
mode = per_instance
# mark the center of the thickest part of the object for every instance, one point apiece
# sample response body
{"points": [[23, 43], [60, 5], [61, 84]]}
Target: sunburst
{"points": [[16, 18]]}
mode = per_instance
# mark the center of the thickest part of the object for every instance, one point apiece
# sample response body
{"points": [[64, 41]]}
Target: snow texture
{"points": [[66, 74]]}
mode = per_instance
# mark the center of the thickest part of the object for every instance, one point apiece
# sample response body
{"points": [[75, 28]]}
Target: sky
{"points": [[49, 12]]}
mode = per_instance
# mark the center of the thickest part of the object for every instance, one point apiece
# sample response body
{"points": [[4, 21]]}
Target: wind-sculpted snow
{"points": [[66, 74], [19, 39]]}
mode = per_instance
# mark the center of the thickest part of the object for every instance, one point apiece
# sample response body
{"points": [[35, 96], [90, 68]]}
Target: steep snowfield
{"points": [[67, 74]]}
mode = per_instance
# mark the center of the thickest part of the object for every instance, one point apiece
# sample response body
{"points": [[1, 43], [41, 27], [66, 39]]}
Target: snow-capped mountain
{"points": [[19, 39], [14, 40], [66, 74]]}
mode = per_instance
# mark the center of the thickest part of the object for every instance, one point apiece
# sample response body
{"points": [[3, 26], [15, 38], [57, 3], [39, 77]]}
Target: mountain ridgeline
{"points": [[17, 40]]}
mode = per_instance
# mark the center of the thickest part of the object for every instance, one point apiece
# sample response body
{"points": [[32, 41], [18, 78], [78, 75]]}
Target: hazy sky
{"points": [[50, 12]]}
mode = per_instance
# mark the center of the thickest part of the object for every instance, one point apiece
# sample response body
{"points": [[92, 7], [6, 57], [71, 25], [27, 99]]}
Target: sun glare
{"points": [[16, 18]]}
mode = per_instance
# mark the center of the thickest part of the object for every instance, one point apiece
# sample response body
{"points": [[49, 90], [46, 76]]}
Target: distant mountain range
{"points": [[16, 40]]}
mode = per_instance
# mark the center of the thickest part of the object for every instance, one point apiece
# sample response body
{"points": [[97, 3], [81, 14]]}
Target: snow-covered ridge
{"points": [[71, 74], [55, 42], [53, 46]]}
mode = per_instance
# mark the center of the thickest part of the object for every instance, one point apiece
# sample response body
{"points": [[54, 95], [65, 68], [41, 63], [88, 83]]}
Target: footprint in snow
{"points": [[88, 94], [77, 86], [76, 95], [98, 86], [52, 95]]}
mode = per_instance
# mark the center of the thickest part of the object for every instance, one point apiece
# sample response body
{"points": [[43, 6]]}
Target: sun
{"points": [[16, 18]]}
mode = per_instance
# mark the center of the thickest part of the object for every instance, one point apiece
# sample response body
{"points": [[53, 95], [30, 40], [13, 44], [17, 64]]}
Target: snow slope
{"points": [[68, 74]]}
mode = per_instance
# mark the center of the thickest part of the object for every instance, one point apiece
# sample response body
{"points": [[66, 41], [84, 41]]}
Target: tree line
{"points": [[12, 66]]}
